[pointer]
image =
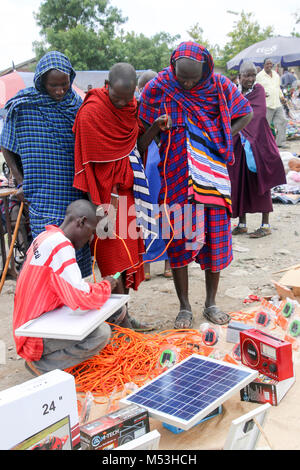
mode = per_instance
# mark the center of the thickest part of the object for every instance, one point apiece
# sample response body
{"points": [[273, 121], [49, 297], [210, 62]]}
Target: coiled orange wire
{"points": [[132, 357]]}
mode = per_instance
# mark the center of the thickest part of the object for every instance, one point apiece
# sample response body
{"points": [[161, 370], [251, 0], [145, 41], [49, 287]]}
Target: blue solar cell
{"points": [[189, 387]]}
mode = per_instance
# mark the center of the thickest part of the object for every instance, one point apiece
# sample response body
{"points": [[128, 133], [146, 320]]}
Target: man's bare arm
{"points": [[14, 163], [162, 123], [238, 124]]}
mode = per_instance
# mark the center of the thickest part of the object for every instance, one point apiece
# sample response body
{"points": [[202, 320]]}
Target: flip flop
{"points": [[211, 312], [239, 230], [168, 273], [140, 327], [260, 233], [184, 320], [32, 369]]}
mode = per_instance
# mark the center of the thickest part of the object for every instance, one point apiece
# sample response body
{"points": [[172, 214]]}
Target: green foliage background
{"points": [[90, 33]]}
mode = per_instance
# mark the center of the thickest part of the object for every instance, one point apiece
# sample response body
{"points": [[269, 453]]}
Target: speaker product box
{"points": [[115, 429], [266, 390]]}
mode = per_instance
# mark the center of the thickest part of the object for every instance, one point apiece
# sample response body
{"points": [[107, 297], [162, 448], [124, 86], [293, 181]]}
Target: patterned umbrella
{"points": [[11, 83], [282, 50]]}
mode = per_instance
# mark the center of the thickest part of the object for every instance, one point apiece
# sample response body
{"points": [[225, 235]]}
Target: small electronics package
{"points": [[115, 429], [40, 414], [233, 331], [266, 390]]}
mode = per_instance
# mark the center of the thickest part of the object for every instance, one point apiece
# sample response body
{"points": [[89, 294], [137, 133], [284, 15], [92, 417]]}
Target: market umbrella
{"points": [[281, 49], [12, 82]]}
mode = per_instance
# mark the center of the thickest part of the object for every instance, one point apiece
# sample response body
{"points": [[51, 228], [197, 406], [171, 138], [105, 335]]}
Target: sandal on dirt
{"points": [[140, 327], [184, 320], [213, 315], [260, 233], [32, 369], [168, 273], [239, 230]]}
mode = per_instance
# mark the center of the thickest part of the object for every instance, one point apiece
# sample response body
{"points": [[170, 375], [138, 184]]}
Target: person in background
{"points": [[109, 140], [38, 145], [157, 246], [294, 73], [258, 166], [235, 79], [50, 278], [206, 110], [270, 80], [287, 78]]}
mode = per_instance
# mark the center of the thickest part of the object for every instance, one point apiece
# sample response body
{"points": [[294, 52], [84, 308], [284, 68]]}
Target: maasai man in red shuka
{"points": [[206, 110], [107, 132], [258, 166]]}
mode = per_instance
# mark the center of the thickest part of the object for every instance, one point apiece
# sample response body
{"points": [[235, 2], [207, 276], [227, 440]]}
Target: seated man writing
{"points": [[51, 278]]}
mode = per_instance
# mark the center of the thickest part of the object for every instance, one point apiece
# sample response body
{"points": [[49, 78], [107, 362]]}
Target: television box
{"points": [[40, 414], [266, 390], [115, 429]]}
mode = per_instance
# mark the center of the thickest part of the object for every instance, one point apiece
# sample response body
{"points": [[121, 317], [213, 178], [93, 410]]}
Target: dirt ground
{"points": [[251, 272]]}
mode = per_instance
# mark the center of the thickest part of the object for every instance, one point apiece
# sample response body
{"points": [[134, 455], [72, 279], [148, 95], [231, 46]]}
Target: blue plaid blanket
{"points": [[39, 129], [142, 198]]}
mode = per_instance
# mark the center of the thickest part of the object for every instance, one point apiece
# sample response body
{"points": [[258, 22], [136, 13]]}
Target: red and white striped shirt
{"points": [[51, 278]]}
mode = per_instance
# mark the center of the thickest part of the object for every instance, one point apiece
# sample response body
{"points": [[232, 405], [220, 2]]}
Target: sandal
{"points": [[140, 327], [239, 230], [260, 233], [213, 315], [32, 369], [184, 320], [168, 273]]}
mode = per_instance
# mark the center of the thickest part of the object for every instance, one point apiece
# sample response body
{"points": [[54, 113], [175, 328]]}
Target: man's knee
{"points": [[102, 333], [98, 339]]}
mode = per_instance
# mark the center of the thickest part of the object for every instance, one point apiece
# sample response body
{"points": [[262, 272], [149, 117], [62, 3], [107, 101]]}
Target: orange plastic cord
{"points": [[132, 357]]}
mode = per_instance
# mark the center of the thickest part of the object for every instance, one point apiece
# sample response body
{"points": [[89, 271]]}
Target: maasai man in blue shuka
{"points": [[206, 110], [38, 132]]}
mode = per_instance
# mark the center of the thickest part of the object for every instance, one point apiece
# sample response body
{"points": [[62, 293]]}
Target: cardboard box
{"points": [[266, 390], [40, 414], [115, 429], [233, 331], [289, 284]]}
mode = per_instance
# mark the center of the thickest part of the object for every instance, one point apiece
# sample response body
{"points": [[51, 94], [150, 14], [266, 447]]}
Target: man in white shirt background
{"points": [[270, 80]]}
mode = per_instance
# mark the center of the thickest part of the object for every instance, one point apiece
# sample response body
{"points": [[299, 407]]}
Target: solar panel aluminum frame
{"points": [[188, 424], [239, 437]]}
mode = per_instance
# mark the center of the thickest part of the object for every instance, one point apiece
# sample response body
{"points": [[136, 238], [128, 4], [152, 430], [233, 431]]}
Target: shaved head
{"points": [[146, 77], [121, 84], [80, 222], [188, 72], [123, 73], [81, 208]]}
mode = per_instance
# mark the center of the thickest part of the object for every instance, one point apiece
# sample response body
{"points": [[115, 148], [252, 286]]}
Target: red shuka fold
{"points": [[104, 133]]}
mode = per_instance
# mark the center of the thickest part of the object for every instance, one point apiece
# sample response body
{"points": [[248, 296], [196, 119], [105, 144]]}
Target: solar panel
{"points": [[190, 390]]}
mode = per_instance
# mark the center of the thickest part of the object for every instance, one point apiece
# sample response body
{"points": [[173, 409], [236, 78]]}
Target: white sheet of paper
{"points": [[64, 323]]}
